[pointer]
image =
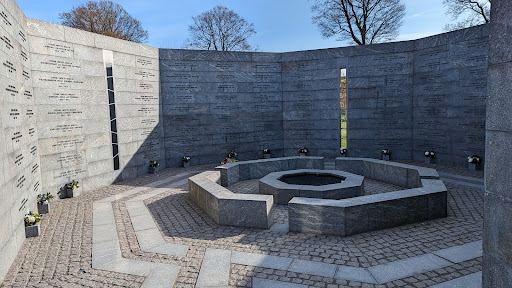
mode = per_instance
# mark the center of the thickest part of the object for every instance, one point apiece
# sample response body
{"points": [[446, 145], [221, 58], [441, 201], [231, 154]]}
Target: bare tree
{"points": [[220, 29], [106, 18], [470, 13], [361, 21]]}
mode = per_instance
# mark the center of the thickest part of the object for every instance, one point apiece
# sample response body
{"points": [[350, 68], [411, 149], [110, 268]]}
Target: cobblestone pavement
{"points": [[61, 256]]}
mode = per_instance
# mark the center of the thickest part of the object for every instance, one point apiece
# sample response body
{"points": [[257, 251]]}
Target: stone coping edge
{"points": [[255, 169], [395, 173]]}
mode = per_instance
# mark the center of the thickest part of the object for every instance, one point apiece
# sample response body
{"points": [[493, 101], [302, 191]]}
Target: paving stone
{"points": [[149, 238], [355, 274], [461, 253], [260, 260], [313, 268], [469, 281], [215, 268], [169, 249], [265, 283], [403, 268]]}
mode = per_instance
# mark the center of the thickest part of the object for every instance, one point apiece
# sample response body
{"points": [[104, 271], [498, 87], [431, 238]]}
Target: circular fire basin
{"points": [[311, 183]]}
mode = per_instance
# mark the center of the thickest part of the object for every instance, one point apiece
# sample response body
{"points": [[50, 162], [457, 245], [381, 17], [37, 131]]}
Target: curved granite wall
{"points": [[410, 97], [78, 105], [20, 177]]}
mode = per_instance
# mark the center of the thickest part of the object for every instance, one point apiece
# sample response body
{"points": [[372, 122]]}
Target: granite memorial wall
{"points": [[90, 129], [77, 105], [214, 102], [20, 174]]}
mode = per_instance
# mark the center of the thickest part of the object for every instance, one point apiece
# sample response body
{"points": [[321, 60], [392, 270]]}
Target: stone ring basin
{"points": [[311, 183]]}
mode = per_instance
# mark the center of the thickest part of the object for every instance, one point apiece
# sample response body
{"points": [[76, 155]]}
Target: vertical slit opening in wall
{"points": [[108, 59], [343, 107]]}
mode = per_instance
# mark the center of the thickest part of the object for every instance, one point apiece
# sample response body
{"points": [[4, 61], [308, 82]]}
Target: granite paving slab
{"points": [[266, 283], [469, 281], [461, 253], [407, 267], [355, 274], [260, 260], [313, 268], [214, 269]]}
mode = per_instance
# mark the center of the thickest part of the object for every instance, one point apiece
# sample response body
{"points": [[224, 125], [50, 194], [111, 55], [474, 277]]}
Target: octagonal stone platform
{"points": [[272, 184]]}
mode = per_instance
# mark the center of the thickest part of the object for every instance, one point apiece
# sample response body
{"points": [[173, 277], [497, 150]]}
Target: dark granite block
{"points": [[388, 214], [356, 220], [437, 205]]}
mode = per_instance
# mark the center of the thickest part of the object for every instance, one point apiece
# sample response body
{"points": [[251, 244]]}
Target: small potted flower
{"points": [[428, 156], [343, 152], [266, 153], [473, 162], [153, 166], [186, 161], [43, 203], [385, 154], [71, 187], [32, 226], [303, 151], [232, 154]]}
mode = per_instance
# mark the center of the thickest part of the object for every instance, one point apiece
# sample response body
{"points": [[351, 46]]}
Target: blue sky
{"points": [[281, 25]]}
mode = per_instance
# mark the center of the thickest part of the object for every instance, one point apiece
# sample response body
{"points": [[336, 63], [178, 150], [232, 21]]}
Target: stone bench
{"points": [[255, 169], [426, 200], [228, 208], [390, 172]]}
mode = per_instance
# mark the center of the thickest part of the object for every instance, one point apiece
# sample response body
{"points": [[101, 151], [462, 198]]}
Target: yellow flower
{"points": [[31, 219]]}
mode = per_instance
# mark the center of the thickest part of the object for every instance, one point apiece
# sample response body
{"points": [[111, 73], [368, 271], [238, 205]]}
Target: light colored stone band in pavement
{"points": [[461, 253], [214, 269], [313, 268], [260, 260], [375, 275], [460, 177], [148, 235], [407, 267], [265, 283], [473, 185], [469, 281], [106, 252]]}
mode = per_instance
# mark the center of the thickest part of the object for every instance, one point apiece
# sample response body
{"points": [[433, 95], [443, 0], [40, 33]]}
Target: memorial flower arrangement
{"points": [[474, 159], [430, 154], [232, 154], [266, 151], [385, 152], [32, 218], [186, 159], [303, 150], [153, 164], [72, 185], [343, 151], [44, 199]]}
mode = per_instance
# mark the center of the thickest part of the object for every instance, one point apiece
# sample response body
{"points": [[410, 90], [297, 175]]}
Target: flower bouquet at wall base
{"points": [[473, 162], [43, 203], [71, 187], [153, 166], [343, 152], [32, 228], [186, 161], [428, 156], [385, 154], [266, 153], [231, 157], [303, 151]]}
